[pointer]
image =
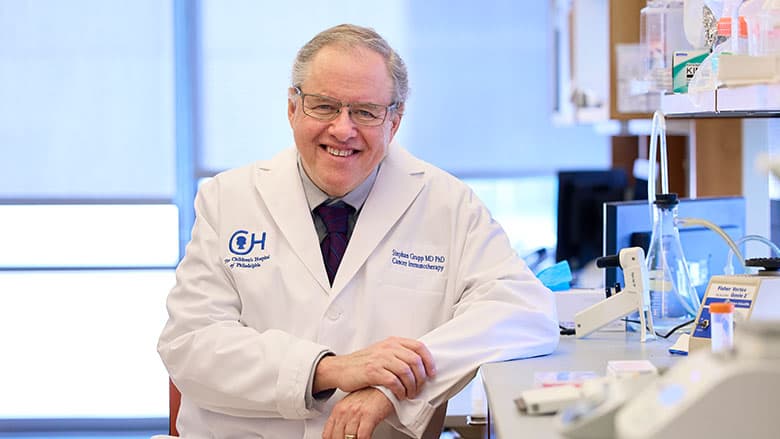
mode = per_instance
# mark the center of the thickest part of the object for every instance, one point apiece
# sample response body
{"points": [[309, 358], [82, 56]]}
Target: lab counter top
{"points": [[505, 381]]}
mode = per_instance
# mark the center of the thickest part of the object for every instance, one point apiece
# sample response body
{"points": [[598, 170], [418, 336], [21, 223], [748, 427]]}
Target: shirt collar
{"points": [[355, 198]]}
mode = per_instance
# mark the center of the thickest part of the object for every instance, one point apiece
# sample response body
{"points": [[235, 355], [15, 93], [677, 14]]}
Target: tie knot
{"points": [[335, 216]]}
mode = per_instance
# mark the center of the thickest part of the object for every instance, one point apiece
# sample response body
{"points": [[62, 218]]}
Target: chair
{"points": [[174, 401]]}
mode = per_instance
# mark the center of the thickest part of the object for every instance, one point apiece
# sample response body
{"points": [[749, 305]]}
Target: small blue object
{"points": [[680, 347], [557, 277]]}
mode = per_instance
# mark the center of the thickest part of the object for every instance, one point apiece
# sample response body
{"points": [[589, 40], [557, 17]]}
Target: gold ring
{"points": [[350, 436]]}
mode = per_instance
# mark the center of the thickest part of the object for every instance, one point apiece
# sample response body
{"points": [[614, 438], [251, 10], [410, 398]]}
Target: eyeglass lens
{"points": [[325, 108]]}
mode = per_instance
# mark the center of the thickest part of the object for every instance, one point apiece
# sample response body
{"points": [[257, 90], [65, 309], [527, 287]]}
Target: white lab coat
{"points": [[425, 261]]}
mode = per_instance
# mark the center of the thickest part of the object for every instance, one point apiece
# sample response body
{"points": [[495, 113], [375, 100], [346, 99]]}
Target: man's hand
{"points": [[358, 414], [400, 364]]}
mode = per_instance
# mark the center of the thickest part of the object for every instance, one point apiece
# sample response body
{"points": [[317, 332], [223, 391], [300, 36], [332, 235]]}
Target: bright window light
{"points": [[524, 206], [87, 104], [83, 344], [89, 235]]}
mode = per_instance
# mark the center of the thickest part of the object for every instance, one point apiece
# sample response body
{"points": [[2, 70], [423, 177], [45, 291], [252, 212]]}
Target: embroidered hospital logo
{"points": [[242, 242]]}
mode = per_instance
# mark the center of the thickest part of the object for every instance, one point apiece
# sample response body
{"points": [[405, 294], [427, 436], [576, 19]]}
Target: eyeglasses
{"points": [[326, 108]]}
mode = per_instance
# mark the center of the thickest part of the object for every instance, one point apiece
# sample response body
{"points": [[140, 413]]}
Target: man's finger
{"points": [[366, 428], [351, 427], [406, 375], [327, 432], [416, 366], [422, 351], [392, 382]]}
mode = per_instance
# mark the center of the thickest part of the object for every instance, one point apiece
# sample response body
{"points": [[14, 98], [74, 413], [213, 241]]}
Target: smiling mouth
{"points": [[339, 152]]}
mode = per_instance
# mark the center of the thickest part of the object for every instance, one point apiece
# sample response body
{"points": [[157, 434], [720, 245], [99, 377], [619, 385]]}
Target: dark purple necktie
{"points": [[336, 219]]}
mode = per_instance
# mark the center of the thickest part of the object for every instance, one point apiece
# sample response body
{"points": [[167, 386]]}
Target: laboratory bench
{"points": [[505, 381]]}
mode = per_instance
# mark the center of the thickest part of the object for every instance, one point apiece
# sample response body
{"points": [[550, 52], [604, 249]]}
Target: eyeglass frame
{"points": [[388, 108]]}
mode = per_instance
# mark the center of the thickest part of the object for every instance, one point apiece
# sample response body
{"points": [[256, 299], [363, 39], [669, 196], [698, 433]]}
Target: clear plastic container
{"points": [[730, 8], [762, 26], [722, 326], [661, 33], [716, 6], [755, 37], [771, 26], [738, 45], [733, 37], [673, 300]]}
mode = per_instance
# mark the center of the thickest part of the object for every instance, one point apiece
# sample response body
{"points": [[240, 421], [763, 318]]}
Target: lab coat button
{"points": [[333, 313]]}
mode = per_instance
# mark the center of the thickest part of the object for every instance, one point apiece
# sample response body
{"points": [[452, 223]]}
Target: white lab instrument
{"points": [[733, 395], [570, 302], [635, 296], [755, 296], [593, 416], [587, 393], [547, 400]]}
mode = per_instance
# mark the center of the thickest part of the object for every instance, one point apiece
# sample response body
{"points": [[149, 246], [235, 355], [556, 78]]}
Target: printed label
{"points": [[417, 261]]}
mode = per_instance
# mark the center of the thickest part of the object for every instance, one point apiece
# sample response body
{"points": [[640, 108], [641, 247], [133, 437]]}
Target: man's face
{"points": [[338, 155]]}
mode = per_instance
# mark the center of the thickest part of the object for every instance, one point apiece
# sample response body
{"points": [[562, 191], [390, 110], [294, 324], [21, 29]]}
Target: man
{"points": [[344, 288]]}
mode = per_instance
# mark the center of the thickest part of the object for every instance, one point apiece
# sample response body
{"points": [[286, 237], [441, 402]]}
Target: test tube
{"points": [[722, 326]]}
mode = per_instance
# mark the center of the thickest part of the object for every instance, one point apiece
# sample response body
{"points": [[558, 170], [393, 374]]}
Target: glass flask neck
{"points": [[664, 218]]}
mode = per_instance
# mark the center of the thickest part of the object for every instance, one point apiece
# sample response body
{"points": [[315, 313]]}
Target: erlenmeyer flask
{"points": [[673, 300]]}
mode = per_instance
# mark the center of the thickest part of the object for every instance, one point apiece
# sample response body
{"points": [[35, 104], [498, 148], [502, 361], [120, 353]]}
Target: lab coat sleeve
{"points": [[504, 312], [215, 360]]}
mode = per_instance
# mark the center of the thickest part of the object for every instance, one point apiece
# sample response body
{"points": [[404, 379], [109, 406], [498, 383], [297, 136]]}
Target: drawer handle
{"points": [[476, 420]]}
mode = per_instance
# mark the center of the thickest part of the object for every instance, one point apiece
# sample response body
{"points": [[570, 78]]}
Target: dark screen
{"points": [[581, 197], [629, 224]]}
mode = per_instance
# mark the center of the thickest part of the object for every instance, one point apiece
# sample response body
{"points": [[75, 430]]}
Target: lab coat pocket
{"points": [[410, 312], [402, 278], [412, 290], [424, 268]]}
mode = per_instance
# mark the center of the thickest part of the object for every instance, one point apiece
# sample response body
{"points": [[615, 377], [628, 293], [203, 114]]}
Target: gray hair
{"points": [[352, 36]]}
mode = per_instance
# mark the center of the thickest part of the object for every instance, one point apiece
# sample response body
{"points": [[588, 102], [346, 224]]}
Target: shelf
{"points": [[753, 98], [674, 105], [760, 100], [640, 127]]}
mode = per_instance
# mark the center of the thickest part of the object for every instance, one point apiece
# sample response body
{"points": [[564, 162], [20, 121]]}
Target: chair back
{"points": [[174, 401]]}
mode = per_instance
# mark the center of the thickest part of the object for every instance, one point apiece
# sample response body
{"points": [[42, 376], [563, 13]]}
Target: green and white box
{"points": [[684, 66]]}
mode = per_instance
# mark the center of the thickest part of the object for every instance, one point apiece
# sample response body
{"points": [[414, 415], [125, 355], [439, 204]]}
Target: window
{"points": [[98, 235], [524, 206], [88, 225], [88, 348], [86, 102]]}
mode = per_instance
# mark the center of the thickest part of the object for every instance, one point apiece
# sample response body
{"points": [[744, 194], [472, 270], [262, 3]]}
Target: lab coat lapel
{"points": [[280, 187], [399, 181]]}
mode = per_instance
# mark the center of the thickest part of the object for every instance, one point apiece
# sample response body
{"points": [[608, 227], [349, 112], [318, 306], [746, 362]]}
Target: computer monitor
{"points": [[628, 224], [581, 196]]}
